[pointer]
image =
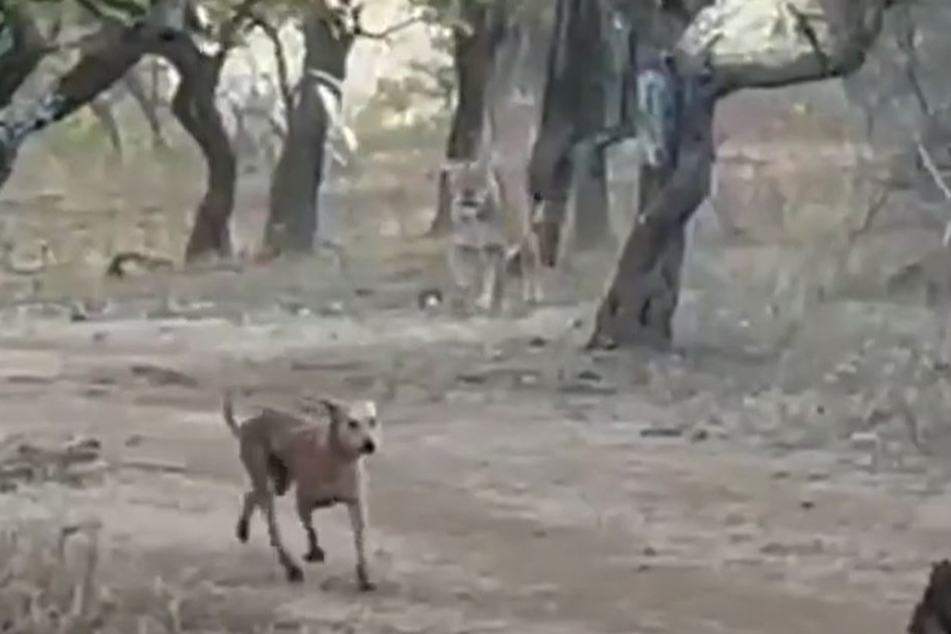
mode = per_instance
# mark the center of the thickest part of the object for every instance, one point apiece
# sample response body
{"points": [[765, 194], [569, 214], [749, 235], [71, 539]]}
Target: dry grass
{"points": [[51, 585], [58, 583]]}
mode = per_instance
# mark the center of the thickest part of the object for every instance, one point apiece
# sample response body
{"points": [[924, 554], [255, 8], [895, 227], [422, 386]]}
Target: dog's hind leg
{"points": [[305, 511], [358, 523], [294, 572], [243, 530]]}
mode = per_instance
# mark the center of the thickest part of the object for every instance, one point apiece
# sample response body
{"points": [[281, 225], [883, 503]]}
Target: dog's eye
{"points": [[352, 424]]}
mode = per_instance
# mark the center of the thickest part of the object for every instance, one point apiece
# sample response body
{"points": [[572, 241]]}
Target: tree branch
{"points": [[390, 30], [280, 58], [769, 44], [935, 173]]}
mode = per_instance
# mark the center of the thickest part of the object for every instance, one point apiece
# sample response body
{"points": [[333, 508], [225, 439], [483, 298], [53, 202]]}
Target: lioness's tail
{"points": [[227, 410]]}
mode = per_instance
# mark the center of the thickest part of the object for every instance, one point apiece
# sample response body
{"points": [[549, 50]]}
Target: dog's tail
{"points": [[227, 411]]}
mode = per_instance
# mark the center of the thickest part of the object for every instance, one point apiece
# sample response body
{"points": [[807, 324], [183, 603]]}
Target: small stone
{"points": [[699, 435], [662, 432], [589, 375], [537, 342]]}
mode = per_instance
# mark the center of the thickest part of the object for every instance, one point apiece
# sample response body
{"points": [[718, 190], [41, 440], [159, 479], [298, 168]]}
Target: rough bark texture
{"points": [[739, 44], [17, 62], [292, 221], [574, 105], [26, 50], [640, 303], [101, 65], [472, 56], [194, 107], [107, 60]]}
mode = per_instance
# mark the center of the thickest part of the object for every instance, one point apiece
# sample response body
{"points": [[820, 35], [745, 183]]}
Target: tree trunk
{"points": [[640, 303], [574, 106], [195, 108], [472, 56], [734, 44], [105, 62], [101, 65], [292, 219], [27, 49]]}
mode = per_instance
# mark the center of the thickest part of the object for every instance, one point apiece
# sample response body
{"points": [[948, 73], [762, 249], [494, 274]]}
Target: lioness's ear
{"points": [[334, 409]]}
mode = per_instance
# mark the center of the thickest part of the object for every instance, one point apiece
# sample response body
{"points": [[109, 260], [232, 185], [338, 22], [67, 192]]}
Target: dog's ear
{"points": [[335, 409]]}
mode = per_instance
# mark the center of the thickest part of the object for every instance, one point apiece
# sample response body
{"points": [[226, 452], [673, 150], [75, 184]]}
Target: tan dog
{"points": [[325, 461]]}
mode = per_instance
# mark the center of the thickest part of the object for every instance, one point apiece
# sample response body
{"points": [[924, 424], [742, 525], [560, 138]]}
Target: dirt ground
{"points": [[523, 485]]}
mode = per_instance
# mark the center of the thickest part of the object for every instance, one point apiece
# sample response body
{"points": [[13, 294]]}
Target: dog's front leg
{"points": [[358, 523], [305, 511]]}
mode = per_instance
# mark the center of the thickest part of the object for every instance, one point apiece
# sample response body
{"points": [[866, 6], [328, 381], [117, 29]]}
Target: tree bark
{"points": [[472, 57], [736, 44], [104, 63], [640, 303], [574, 106], [27, 48], [195, 108], [292, 219]]}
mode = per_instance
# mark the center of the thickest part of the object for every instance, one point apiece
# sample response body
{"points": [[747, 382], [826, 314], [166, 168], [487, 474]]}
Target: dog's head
{"points": [[354, 425]]}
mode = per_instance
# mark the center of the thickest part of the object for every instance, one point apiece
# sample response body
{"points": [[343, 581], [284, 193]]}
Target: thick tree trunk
{"points": [[292, 220], [737, 44], [195, 108], [26, 50], [472, 56], [104, 63], [574, 106], [640, 303]]}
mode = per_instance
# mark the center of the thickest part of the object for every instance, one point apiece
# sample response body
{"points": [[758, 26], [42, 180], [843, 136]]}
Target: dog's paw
{"points": [[242, 531], [315, 556], [295, 574], [366, 586]]}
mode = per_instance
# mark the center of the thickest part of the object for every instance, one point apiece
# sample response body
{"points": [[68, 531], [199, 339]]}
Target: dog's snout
{"points": [[369, 446]]}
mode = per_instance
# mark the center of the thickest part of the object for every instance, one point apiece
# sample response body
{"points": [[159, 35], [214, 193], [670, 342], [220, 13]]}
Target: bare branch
{"points": [[280, 57], [390, 30], [232, 29], [932, 168]]}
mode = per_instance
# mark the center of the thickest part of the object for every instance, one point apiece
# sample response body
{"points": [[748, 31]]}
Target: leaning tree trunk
{"points": [[731, 44], [195, 108], [472, 57], [292, 218], [104, 63], [640, 303]]}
